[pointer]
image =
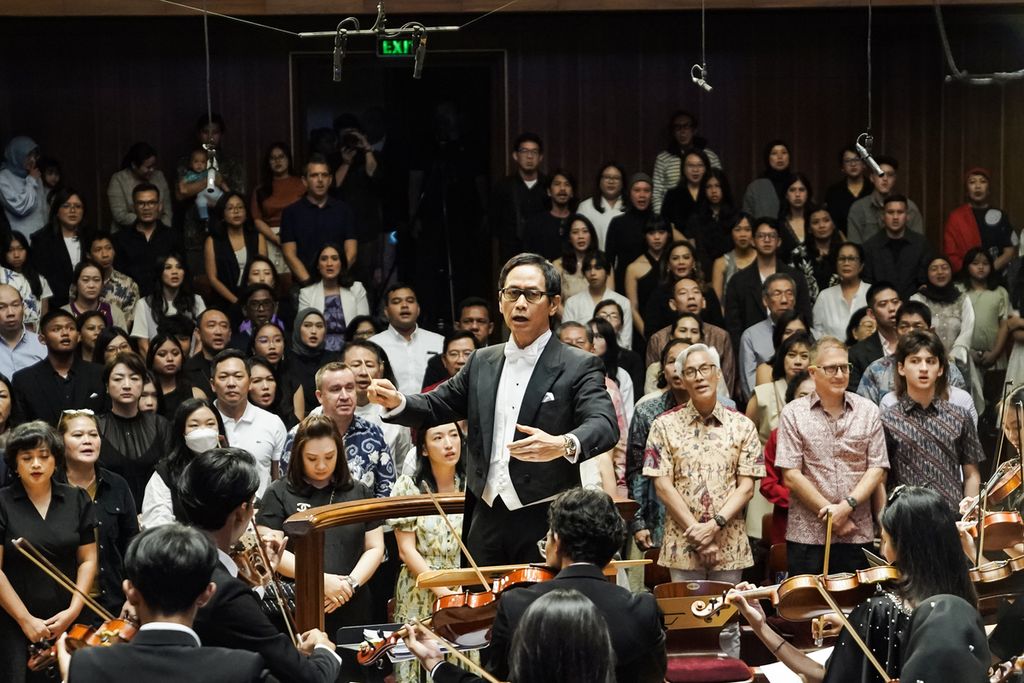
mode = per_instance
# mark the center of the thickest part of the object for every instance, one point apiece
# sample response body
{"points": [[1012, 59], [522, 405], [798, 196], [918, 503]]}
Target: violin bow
{"points": [[451, 527], [286, 614], [38, 559], [463, 659], [853, 633], [828, 542]]}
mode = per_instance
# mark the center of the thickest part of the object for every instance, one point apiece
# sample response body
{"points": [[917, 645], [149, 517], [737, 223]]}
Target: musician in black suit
{"points": [[536, 409], [586, 530], [218, 492], [62, 380], [168, 572]]}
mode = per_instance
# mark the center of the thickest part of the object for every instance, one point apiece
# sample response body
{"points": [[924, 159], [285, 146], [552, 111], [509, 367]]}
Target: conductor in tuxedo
{"points": [[536, 409], [218, 495], [168, 572]]}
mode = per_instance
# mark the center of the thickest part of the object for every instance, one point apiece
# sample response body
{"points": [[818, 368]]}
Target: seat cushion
{"points": [[707, 670]]}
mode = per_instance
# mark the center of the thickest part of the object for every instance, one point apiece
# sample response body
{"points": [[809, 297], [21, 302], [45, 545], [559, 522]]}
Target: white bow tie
{"points": [[530, 354]]}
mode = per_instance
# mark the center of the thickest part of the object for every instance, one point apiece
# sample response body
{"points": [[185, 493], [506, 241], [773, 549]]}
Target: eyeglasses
{"points": [[512, 294], [542, 546], [833, 370], [706, 370], [260, 304], [847, 259], [528, 151], [614, 178], [852, 160], [781, 294], [610, 316], [68, 206], [455, 353], [147, 203], [895, 494], [907, 327], [766, 236]]}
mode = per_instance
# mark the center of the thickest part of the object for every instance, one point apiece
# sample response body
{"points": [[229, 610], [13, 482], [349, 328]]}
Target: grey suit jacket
{"points": [[577, 402]]}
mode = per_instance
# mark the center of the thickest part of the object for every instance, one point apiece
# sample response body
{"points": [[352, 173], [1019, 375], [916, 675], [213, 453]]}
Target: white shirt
{"points": [[144, 325], [598, 219], [625, 384], [398, 438], [832, 315], [580, 308], [157, 509], [168, 626], [74, 250], [409, 357], [515, 376], [261, 433]]}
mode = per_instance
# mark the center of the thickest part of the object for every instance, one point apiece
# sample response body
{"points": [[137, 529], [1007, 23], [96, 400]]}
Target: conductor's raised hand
{"points": [[538, 446], [383, 393]]}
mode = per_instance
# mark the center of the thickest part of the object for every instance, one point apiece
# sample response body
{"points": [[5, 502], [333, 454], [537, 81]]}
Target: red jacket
{"points": [[961, 235], [775, 491]]}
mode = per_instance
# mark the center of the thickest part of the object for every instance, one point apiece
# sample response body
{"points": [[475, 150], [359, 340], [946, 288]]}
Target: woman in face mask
{"points": [[197, 428]]}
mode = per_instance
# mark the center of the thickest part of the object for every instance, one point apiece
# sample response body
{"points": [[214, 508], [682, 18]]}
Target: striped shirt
{"points": [[928, 446]]}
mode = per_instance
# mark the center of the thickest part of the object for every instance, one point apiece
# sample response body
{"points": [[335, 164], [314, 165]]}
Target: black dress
{"points": [[168, 403], [132, 448], [882, 623], [343, 545], [69, 524]]}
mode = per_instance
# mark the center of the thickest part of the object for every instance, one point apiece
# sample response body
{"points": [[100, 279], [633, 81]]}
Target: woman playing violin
{"points": [[352, 553], [59, 520], [919, 536], [425, 542]]}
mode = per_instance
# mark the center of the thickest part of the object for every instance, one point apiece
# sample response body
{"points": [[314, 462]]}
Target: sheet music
{"points": [[780, 673]]}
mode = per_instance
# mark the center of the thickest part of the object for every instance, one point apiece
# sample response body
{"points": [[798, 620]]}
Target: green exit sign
{"points": [[395, 47]]}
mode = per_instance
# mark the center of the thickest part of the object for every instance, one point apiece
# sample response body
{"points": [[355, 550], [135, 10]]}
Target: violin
{"points": [[1002, 529], [464, 618], [798, 598], [111, 632], [254, 569]]}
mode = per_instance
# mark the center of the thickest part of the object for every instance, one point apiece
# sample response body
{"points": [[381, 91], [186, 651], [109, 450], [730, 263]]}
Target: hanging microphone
{"points": [[340, 40], [864, 150], [421, 54], [698, 74]]}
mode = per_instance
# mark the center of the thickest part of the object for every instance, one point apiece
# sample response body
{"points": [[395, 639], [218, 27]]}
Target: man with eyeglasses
{"points": [[458, 347], [582, 307], [878, 380], [705, 462], [259, 308], [138, 249], [536, 409], [778, 294], [853, 186], [831, 451], [20, 347], [518, 196], [744, 296], [473, 314]]}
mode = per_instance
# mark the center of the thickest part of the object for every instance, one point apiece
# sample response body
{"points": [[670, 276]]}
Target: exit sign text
{"points": [[395, 47]]}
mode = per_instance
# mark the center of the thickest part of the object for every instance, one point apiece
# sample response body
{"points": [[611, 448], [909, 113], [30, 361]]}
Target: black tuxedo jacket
{"points": [[164, 655], [233, 619], [40, 394], [50, 257], [566, 393], [634, 622], [863, 354], [744, 302]]}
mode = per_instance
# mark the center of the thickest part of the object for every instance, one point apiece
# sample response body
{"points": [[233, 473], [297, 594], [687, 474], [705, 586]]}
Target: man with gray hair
{"points": [[705, 462], [20, 348], [778, 295]]}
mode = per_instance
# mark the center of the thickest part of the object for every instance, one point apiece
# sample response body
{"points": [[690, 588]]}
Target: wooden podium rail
{"points": [[307, 529]]}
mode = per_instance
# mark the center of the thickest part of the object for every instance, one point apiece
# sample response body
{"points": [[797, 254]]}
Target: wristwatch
{"points": [[570, 447], [720, 521], [352, 582], [852, 502]]}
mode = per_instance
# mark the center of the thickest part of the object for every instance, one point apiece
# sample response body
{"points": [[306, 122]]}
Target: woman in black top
{"points": [[112, 501], [230, 247], [133, 441], [265, 390], [110, 342], [58, 519], [167, 363], [710, 226], [53, 256], [678, 261], [6, 405], [687, 198], [319, 475]]}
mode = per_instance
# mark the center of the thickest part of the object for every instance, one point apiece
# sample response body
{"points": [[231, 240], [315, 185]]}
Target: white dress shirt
{"points": [[170, 626], [832, 315], [261, 433], [599, 219], [157, 508], [409, 357]]}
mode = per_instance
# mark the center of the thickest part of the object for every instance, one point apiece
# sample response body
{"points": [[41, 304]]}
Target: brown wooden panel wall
{"points": [[596, 86]]}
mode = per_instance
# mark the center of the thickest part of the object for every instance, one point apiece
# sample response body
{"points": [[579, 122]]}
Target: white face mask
{"points": [[202, 439]]}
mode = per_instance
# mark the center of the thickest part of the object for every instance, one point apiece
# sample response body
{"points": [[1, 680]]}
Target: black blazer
{"points": [[744, 303], [233, 619], [39, 393], [51, 259], [635, 624], [571, 380], [164, 655], [863, 354]]}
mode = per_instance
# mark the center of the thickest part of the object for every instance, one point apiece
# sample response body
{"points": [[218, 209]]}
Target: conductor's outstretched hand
{"points": [[383, 393]]}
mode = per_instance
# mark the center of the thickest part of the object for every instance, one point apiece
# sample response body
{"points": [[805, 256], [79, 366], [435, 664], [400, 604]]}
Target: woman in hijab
{"points": [[952, 311], [21, 187], [306, 356], [764, 195]]}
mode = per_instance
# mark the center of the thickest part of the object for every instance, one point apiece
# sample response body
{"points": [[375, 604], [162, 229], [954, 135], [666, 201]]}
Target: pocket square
{"points": [[548, 396]]}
